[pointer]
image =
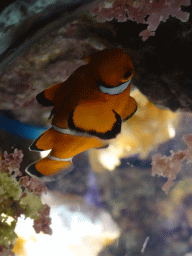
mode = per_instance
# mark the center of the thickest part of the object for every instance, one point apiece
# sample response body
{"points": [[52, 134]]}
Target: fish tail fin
{"points": [[44, 142], [46, 169]]}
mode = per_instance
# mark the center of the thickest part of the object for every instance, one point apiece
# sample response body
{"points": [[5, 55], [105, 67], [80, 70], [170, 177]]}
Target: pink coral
{"points": [[33, 185], [138, 11], [43, 223], [4, 251], [169, 166], [117, 10], [12, 162]]}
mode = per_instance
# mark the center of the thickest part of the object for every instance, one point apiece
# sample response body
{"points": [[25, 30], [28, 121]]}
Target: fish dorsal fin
{"points": [[94, 56]]}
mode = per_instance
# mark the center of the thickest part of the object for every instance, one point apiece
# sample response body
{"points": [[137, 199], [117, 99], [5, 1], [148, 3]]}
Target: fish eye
{"points": [[127, 75]]}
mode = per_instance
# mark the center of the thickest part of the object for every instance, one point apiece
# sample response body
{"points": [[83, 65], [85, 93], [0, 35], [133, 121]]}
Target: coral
{"points": [[19, 196], [6, 252], [12, 162], [142, 11], [33, 185], [43, 223], [169, 166]]}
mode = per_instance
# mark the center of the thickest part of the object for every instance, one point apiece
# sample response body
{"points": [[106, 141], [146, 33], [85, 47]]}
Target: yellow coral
{"points": [[19, 248], [150, 126], [69, 214]]}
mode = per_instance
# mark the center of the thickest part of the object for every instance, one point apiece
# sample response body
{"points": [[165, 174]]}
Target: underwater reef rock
{"points": [[45, 56], [137, 204], [142, 210], [162, 69], [22, 19], [47, 63]]}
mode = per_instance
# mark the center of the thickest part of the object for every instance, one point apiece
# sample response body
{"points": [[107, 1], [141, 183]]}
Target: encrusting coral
{"points": [[169, 166], [142, 11], [22, 198]]}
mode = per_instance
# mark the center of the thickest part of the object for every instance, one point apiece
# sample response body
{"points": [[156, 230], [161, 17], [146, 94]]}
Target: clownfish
{"points": [[88, 110]]}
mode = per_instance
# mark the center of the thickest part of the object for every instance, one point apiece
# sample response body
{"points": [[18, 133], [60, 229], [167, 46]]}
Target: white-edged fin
{"points": [[64, 131], [71, 132], [60, 159], [115, 90]]}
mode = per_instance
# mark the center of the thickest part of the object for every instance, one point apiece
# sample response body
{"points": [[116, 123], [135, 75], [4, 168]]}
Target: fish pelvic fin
{"points": [[130, 109], [46, 168], [43, 142]]}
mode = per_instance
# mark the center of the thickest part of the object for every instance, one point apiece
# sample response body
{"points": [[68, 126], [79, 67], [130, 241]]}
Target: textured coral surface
{"points": [[142, 11], [19, 196]]}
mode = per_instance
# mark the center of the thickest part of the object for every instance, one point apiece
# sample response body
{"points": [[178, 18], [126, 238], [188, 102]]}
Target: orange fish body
{"points": [[88, 110]]}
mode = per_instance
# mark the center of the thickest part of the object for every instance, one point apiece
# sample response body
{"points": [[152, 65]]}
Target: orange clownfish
{"points": [[88, 110]]}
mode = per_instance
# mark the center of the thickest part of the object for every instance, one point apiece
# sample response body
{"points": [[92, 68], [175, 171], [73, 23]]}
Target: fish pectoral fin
{"points": [[96, 120], [43, 100], [47, 97], [130, 109]]}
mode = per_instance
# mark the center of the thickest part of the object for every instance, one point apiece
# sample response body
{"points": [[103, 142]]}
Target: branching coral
{"points": [[19, 196], [169, 166], [142, 11]]}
